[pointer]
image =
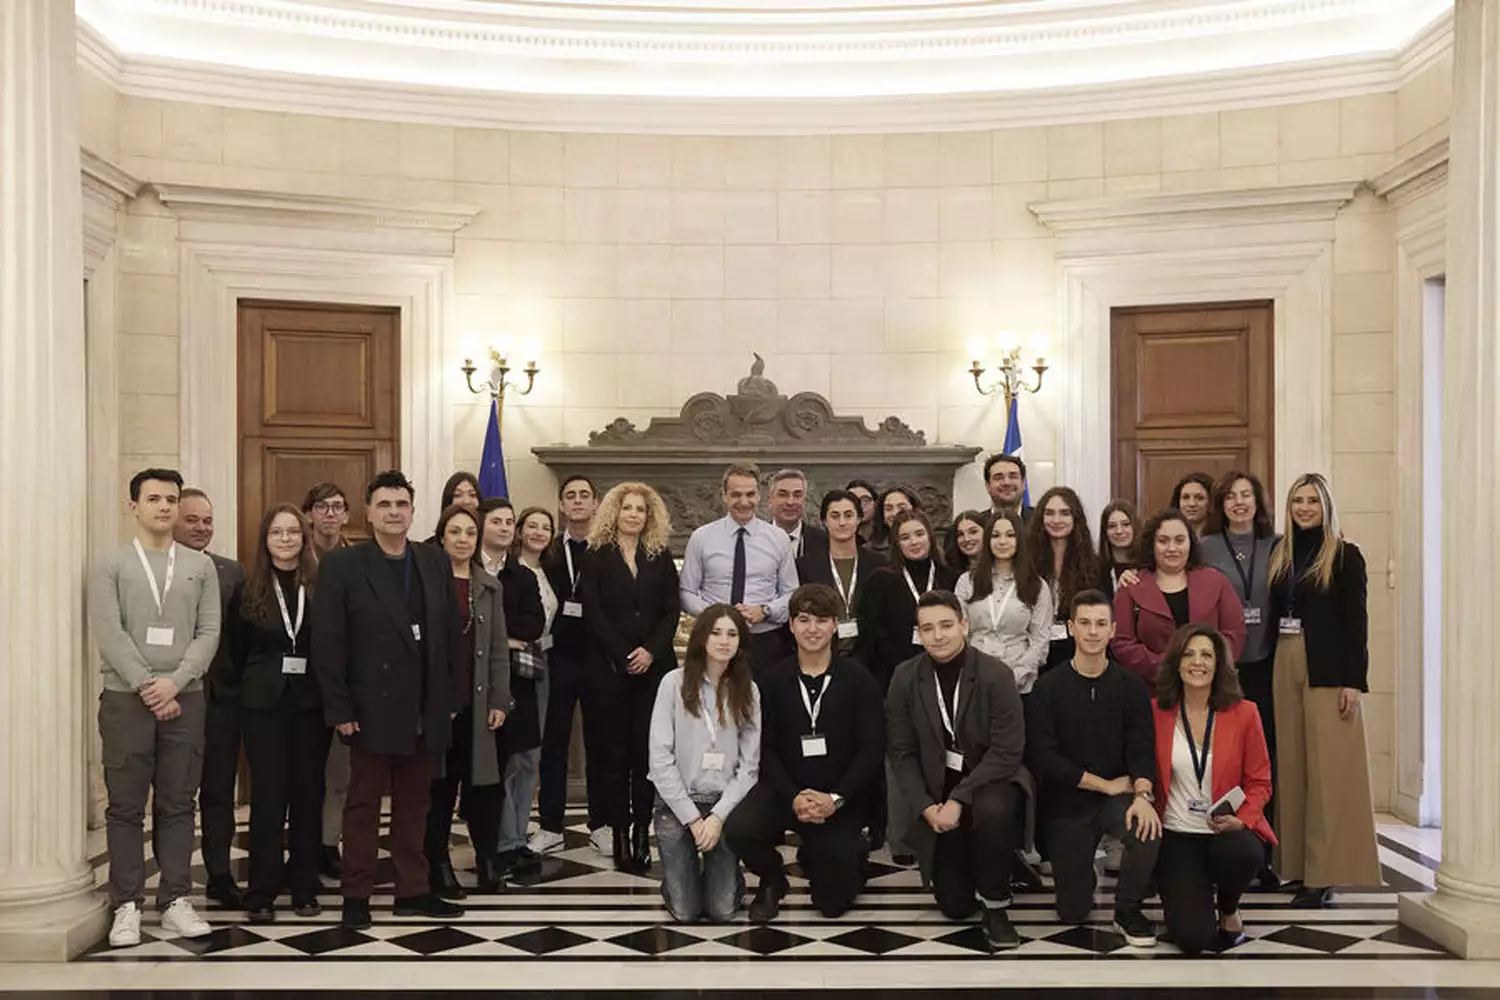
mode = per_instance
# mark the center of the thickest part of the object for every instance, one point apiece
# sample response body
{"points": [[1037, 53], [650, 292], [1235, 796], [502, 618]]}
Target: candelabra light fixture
{"points": [[498, 382], [1012, 378]]}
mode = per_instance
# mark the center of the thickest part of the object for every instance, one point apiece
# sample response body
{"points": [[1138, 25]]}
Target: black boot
{"points": [[442, 880], [623, 861], [491, 875], [640, 847]]}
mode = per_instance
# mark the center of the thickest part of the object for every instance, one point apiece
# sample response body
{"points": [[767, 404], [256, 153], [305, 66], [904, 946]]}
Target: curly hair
{"points": [[654, 537]]}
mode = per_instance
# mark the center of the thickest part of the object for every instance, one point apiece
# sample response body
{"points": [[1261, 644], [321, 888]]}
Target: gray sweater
{"points": [[1260, 638], [121, 608], [678, 740]]}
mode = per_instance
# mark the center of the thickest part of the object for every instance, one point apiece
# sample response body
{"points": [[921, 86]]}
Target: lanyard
{"points": [[286, 618], [568, 554], [709, 711], [814, 707], [160, 594], [1247, 577], [997, 611], [848, 595], [1200, 766], [943, 706], [931, 570]]}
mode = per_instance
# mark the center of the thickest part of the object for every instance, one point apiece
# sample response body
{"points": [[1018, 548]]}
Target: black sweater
{"points": [[1335, 622], [888, 614], [850, 718], [1074, 724]]}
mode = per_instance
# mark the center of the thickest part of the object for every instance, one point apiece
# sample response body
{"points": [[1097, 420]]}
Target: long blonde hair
{"points": [[1320, 572], [658, 530]]}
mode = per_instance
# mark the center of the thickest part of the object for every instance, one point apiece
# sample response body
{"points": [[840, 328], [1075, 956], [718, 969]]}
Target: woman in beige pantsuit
{"points": [[1325, 813]]}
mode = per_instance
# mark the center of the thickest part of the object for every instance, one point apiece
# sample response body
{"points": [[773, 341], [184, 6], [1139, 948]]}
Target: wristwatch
{"points": [[1146, 794], [838, 801]]}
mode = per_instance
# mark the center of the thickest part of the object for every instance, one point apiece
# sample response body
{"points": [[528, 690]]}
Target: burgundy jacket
{"points": [[1144, 623]]}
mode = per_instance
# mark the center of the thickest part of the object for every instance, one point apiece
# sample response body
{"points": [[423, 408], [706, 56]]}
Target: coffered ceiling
{"points": [[757, 65]]}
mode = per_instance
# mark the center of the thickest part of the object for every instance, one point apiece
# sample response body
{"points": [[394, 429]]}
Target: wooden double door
{"points": [[317, 403], [1194, 391]]}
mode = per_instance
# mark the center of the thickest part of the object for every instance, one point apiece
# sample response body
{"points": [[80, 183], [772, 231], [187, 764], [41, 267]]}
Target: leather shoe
{"points": [[624, 862], [426, 905], [1268, 880], [356, 914], [1225, 940], [766, 905], [224, 893], [261, 915], [443, 882], [999, 933], [640, 847], [307, 907], [491, 876], [1311, 898]]}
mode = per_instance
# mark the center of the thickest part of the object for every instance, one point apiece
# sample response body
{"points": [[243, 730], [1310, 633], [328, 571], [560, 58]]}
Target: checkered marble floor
{"points": [[577, 909]]}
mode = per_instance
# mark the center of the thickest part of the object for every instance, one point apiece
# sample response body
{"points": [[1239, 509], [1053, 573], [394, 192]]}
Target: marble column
{"points": [[48, 909], [1464, 914]]}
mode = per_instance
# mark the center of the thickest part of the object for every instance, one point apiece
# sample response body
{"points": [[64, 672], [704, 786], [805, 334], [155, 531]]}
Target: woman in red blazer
{"points": [[1209, 743], [1173, 589]]}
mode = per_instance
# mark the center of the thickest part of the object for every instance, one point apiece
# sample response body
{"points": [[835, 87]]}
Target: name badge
{"points": [[572, 609], [1252, 615], [416, 631], [849, 630], [1058, 631], [954, 759], [1291, 626], [1198, 807], [294, 664], [916, 637], [713, 760], [814, 746], [545, 642], [159, 635]]}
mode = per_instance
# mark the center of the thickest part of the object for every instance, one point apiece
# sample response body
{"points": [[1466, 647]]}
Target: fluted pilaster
{"points": [[47, 907], [1464, 913]]}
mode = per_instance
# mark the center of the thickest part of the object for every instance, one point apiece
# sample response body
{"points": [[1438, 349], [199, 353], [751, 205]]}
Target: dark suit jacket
{"points": [[623, 611], [221, 670], [525, 618], [817, 569], [370, 669], [257, 653], [991, 732], [1335, 622], [568, 636], [814, 541]]}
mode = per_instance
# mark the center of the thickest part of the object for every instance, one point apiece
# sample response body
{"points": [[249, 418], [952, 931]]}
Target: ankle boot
{"points": [[491, 876], [640, 847], [442, 880], [623, 860]]}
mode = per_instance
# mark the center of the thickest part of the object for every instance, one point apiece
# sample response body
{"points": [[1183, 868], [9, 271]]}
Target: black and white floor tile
{"points": [[577, 909]]}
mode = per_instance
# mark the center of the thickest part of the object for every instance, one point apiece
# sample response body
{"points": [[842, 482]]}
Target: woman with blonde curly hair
{"points": [[630, 609]]}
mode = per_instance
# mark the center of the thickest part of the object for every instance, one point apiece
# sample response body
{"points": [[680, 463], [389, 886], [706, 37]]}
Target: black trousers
{"points": [[568, 686], [831, 854], [1255, 679], [287, 748], [1192, 867], [481, 805], [623, 746], [221, 762], [976, 857], [1071, 841], [768, 648]]}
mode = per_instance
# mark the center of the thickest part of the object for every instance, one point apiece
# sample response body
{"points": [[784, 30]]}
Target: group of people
{"points": [[965, 700]]}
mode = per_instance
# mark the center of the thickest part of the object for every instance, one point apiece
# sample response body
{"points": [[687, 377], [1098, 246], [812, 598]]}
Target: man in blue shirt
{"points": [[744, 561]]}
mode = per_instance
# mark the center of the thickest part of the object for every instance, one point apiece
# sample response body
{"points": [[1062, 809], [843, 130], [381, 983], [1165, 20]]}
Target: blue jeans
{"points": [[696, 887], [522, 775]]}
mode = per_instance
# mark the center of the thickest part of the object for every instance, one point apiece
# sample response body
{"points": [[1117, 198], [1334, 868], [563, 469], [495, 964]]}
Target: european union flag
{"points": [[492, 465]]}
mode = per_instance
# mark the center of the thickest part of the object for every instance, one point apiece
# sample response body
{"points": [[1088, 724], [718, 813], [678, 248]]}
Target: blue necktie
{"points": [[737, 583]]}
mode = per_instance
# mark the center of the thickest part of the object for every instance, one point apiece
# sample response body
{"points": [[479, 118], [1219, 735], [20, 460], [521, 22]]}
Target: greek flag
{"points": [[1012, 444]]}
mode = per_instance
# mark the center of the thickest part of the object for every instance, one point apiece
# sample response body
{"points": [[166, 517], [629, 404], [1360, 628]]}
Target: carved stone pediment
{"points": [[683, 456]]}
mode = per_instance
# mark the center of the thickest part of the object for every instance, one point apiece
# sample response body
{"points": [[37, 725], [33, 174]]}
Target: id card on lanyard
{"points": [[713, 758], [571, 608], [953, 756], [1244, 564], [292, 664], [916, 637], [813, 744], [1198, 799], [848, 629], [159, 635], [997, 608]]}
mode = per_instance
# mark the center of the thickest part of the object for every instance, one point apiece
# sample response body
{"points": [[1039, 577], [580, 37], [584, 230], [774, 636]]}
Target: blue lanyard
{"points": [[1200, 767]]}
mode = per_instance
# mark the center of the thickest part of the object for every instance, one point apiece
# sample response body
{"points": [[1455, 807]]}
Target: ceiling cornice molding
{"points": [[1414, 176], [1257, 86], [213, 204], [108, 179], [1245, 206]]}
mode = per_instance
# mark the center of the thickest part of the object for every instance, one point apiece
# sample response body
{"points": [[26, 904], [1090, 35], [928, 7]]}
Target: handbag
{"points": [[528, 662]]}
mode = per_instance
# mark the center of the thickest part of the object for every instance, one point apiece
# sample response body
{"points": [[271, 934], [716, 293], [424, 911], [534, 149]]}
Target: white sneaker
{"points": [[181, 919], [126, 931], [545, 842], [603, 840]]}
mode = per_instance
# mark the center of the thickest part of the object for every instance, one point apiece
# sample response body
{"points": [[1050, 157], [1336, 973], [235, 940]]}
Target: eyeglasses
{"points": [[867, 501], [329, 507], [284, 533]]}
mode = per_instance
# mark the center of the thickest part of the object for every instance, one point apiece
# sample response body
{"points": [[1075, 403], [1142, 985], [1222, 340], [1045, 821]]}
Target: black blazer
{"points": [[221, 670], [991, 732], [850, 717], [817, 569], [1335, 622], [568, 635], [525, 618], [814, 541], [370, 669], [887, 616], [257, 653], [623, 611]]}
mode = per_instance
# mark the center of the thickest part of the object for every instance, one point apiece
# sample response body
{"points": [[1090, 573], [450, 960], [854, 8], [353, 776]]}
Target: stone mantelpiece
{"points": [[684, 456]]}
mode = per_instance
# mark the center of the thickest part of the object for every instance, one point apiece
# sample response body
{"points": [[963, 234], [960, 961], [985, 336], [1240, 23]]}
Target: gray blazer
{"points": [[991, 732], [491, 675]]}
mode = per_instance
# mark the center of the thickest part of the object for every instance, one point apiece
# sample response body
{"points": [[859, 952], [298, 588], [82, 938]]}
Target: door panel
{"points": [[318, 391], [1192, 393]]}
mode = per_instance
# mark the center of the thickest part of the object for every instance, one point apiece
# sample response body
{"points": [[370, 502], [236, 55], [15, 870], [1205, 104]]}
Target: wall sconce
{"points": [[1012, 380], [497, 383]]}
